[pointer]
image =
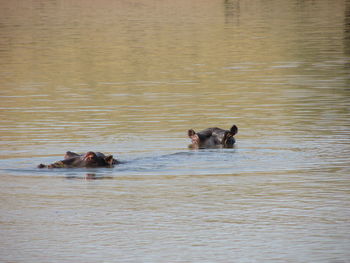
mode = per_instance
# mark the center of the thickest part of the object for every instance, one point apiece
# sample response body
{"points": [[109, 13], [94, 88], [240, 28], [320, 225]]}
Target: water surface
{"points": [[129, 78]]}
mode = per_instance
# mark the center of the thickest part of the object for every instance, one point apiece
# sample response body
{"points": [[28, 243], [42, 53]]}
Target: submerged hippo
{"points": [[89, 159], [213, 138]]}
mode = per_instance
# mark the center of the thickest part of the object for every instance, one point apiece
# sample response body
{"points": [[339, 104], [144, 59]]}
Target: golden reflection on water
{"points": [[129, 78], [115, 63]]}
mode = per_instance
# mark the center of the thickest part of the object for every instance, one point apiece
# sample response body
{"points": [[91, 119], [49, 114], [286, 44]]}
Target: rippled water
{"points": [[129, 78]]}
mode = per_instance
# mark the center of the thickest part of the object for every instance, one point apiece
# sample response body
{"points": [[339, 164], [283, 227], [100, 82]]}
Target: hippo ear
{"points": [[234, 129], [109, 159], [191, 133]]}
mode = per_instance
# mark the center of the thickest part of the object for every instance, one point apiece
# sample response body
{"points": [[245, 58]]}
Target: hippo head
{"points": [[213, 138], [91, 159]]}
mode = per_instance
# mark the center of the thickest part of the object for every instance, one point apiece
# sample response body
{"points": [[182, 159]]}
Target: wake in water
{"points": [[266, 158]]}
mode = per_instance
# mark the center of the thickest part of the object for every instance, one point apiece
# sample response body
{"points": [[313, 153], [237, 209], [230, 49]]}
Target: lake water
{"points": [[129, 78]]}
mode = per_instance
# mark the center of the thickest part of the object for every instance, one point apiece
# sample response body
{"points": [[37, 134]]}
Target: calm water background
{"points": [[130, 78]]}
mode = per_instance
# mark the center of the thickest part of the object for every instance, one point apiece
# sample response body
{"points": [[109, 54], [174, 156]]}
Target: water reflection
{"points": [[90, 176], [232, 11], [130, 78], [347, 30]]}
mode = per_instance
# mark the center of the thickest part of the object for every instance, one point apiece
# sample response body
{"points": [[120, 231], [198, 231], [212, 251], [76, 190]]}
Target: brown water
{"points": [[130, 78]]}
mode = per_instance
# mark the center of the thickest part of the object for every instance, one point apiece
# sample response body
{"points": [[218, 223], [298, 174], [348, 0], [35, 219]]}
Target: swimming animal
{"points": [[212, 138], [89, 160]]}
